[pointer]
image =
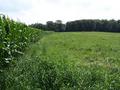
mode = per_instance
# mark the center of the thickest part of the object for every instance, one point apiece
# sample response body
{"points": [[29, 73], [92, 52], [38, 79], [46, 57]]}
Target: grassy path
{"points": [[69, 61]]}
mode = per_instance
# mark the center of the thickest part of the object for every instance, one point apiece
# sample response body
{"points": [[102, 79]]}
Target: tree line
{"points": [[57, 26], [80, 25]]}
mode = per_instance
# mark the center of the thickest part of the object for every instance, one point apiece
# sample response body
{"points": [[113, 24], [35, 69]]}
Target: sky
{"points": [[40, 11]]}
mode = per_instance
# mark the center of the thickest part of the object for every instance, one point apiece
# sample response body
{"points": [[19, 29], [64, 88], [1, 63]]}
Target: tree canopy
{"points": [[81, 25]]}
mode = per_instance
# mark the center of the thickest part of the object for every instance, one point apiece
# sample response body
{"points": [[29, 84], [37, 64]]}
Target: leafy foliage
{"points": [[81, 25], [14, 37], [57, 26], [94, 25]]}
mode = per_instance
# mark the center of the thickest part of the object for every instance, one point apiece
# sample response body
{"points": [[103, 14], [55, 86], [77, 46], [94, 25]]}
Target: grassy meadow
{"points": [[68, 61]]}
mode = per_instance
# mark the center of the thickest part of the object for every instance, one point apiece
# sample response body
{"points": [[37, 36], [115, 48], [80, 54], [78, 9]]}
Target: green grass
{"points": [[15, 37], [68, 61]]}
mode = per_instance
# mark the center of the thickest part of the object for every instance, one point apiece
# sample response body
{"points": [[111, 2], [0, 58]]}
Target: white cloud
{"points": [[14, 5], [31, 11]]}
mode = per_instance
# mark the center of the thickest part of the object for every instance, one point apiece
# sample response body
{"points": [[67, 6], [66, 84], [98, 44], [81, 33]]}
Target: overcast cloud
{"points": [[31, 11]]}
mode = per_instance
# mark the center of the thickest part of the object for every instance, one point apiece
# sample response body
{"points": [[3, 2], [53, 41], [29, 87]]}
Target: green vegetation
{"points": [[81, 25], [68, 61], [14, 38]]}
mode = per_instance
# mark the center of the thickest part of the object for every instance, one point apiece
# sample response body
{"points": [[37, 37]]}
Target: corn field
{"points": [[14, 38]]}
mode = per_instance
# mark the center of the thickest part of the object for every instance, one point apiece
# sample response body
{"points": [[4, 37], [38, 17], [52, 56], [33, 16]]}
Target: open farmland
{"points": [[59, 45], [68, 61]]}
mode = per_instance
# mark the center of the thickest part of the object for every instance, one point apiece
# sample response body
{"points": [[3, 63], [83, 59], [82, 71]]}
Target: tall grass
{"points": [[69, 61]]}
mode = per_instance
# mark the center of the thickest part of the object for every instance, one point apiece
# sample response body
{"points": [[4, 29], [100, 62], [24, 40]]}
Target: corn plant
{"points": [[14, 38]]}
